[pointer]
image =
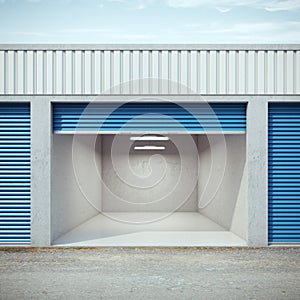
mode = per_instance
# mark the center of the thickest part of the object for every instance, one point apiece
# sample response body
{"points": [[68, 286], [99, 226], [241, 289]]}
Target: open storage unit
{"points": [[139, 179]]}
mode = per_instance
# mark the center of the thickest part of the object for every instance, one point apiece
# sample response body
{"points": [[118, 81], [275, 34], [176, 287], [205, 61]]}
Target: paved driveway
{"points": [[270, 273]]}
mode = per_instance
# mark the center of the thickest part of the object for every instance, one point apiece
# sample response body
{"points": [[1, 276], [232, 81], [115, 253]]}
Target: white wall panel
{"points": [[269, 87], [150, 70], [221, 72], [203, 72], [297, 73], [289, 72], [213, 72], [39, 72], [19, 73], [231, 72], [250, 72], [280, 69], [10, 68]]}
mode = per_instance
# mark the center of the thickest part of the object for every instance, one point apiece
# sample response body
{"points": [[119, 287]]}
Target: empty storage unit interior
{"points": [[160, 174], [149, 145]]}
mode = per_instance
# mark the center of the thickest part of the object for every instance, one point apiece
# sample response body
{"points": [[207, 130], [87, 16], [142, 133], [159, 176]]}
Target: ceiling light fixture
{"points": [[149, 148], [149, 138]]}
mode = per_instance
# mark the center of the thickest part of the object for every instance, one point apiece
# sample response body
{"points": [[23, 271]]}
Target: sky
{"points": [[149, 21]]}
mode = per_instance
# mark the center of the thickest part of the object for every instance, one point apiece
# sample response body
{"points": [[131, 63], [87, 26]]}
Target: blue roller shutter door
{"points": [[284, 173], [14, 173], [148, 117]]}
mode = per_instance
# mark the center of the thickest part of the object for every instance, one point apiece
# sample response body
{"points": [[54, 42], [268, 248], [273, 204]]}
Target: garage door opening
{"points": [[118, 213]]}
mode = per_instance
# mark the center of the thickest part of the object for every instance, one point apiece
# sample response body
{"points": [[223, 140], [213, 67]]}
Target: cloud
{"points": [[86, 30], [140, 6], [223, 9], [283, 5], [244, 32], [269, 5], [27, 33], [118, 1], [134, 4], [137, 36], [105, 33]]}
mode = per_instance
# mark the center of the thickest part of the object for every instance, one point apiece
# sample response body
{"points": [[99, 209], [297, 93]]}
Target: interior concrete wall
{"points": [[74, 196], [222, 186], [119, 195]]}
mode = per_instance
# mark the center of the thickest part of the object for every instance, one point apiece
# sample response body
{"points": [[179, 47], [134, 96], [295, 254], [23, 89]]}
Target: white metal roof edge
{"points": [[150, 47]]}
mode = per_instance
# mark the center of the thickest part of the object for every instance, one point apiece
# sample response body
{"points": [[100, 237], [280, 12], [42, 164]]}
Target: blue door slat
{"points": [[15, 207], [148, 117], [284, 173]]}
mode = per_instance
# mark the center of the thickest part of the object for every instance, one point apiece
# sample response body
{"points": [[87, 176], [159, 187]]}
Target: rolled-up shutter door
{"points": [[149, 117], [14, 173], [284, 173]]}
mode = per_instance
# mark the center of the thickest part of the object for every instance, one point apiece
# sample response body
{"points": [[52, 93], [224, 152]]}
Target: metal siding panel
{"points": [[14, 173], [116, 72], [270, 72], [155, 73], [97, 73], [10, 67], [78, 72], [16, 68], [59, 72], [148, 117], [49, 66], [203, 72], [241, 71], [232, 72], [289, 72], [297, 72], [279, 83], [125, 72], [251, 79], [178, 72], [194, 75], [39, 72], [135, 72], [261, 71], [87, 72], [164, 72], [144, 71], [183, 72], [82, 81], [130, 71], [20, 72], [2, 72], [29, 72], [68, 72], [213, 72], [220, 71], [173, 72], [284, 173]]}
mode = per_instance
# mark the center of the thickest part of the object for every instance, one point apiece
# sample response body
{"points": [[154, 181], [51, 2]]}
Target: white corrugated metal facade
{"points": [[128, 69]]}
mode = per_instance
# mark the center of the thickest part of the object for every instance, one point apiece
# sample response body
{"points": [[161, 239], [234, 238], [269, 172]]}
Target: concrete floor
{"points": [[136, 273], [177, 229]]}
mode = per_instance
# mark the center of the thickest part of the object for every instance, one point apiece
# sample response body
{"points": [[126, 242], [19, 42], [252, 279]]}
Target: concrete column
{"points": [[257, 158], [40, 171]]}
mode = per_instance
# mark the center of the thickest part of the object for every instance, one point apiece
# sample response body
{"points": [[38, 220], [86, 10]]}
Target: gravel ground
{"points": [[136, 273]]}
